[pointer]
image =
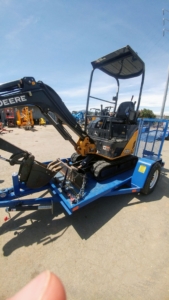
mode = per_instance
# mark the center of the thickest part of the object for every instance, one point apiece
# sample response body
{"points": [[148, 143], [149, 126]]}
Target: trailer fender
{"points": [[141, 172]]}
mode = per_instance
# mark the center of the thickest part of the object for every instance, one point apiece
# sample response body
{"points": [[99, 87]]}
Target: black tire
{"points": [[152, 179]]}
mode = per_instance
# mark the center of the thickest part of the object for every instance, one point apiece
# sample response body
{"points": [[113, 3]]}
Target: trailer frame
{"points": [[72, 197]]}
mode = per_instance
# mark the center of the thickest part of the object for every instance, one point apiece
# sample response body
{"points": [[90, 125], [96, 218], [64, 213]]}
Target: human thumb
{"points": [[46, 286]]}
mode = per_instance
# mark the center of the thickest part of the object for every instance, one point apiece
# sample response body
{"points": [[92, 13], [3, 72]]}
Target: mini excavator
{"points": [[106, 145]]}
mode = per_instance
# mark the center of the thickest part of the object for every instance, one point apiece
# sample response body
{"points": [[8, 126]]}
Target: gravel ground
{"points": [[114, 248]]}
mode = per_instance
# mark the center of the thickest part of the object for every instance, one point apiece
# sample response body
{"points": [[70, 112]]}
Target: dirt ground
{"points": [[114, 248]]}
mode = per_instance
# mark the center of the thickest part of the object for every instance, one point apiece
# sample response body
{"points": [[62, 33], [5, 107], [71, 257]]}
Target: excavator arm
{"points": [[29, 92]]}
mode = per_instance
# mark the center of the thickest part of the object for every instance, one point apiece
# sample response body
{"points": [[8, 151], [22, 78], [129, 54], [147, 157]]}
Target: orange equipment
{"points": [[25, 118]]}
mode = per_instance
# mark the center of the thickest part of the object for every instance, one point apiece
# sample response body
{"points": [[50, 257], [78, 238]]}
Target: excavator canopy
{"points": [[121, 64]]}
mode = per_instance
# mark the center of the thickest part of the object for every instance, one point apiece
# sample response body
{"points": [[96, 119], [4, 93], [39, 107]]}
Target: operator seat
{"points": [[125, 112], [125, 115]]}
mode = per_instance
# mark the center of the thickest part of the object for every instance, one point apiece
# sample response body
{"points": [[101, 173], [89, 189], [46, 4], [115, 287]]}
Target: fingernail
{"points": [[35, 289]]}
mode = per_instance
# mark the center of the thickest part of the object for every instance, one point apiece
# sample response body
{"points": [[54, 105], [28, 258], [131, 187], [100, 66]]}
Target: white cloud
{"points": [[149, 101], [81, 91], [72, 93], [13, 34]]}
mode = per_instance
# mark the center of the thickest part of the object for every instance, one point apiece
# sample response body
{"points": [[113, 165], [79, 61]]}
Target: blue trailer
{"points": [[79, 116], [74, 194]]}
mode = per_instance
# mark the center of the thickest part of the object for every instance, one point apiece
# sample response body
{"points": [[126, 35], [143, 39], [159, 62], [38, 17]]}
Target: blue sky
{"points": [[56, 41]]}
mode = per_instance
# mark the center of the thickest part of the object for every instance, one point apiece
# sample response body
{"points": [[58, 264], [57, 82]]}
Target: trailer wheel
{"points": [[152, 179]]}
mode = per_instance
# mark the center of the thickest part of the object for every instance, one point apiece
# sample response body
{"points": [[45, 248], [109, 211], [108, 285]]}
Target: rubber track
{"points": [[103, 169]]}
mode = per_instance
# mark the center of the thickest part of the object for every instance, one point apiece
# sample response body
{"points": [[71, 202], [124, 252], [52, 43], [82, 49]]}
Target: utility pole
{"points": [[164, 21], [167, 82]]}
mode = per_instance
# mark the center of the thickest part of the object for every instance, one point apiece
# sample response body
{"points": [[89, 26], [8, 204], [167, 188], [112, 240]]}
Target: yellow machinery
{"points": [[25, 118], [42, 121]]}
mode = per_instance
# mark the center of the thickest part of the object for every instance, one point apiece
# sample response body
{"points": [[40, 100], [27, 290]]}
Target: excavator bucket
{"points": [[39, 175]]}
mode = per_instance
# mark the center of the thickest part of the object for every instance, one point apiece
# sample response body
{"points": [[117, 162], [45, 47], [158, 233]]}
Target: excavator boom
{"points": [[29, 92]]}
